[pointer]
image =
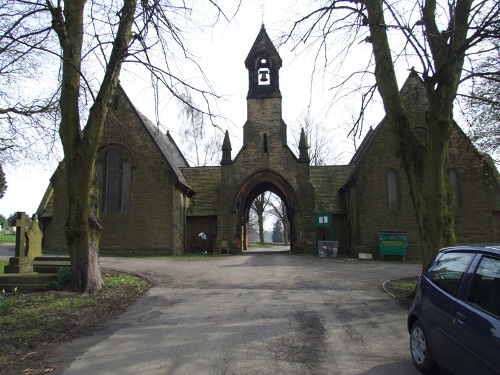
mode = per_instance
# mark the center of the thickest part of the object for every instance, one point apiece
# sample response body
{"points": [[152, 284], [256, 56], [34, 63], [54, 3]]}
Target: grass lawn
{"points": [[403, 289], [259, 246], [32, 324], [3, 262], [7, 238]]}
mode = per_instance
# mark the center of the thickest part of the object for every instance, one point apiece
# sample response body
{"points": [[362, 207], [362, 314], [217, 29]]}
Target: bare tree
{"points": [[321, 150], [259, 206], [277, 208], [27, 113], [434, 36], [92, 39], [481, 107], [202, 145]]}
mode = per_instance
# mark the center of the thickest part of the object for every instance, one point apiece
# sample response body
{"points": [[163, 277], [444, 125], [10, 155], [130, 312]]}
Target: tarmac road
{"points": [[258, 313]]}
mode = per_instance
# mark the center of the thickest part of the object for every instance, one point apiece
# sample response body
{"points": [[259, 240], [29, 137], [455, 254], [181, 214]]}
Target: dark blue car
{"points": [[454, 321]]}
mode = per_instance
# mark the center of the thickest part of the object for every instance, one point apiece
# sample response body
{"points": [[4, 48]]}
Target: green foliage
{"points": [[3, 184], [278, 232], [3, 263], [63, 278], [4, 302], [11, 220], [403, 287]]}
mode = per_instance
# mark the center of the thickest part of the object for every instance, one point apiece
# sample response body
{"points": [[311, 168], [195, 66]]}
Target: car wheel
{"points": [[420, 350]]}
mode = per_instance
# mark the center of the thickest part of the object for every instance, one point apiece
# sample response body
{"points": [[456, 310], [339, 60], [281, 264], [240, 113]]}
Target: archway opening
{"points": [[267, 224], [265, 191]]}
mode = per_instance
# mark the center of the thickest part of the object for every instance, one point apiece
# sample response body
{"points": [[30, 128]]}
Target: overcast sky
{"points": [[222, 51]]}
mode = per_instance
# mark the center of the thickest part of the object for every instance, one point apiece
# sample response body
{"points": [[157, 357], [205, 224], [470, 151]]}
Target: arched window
{"points": [[392, 190], [454, 187], [114, 173]]}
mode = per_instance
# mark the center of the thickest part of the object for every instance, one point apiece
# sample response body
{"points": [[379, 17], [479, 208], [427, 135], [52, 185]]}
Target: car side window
{"points": [[485, 289], [448, 271]]}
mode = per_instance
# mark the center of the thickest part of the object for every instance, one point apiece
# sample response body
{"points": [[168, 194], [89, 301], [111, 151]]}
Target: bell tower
{"points": [[263, 63], [265, 162], [264, 129]]}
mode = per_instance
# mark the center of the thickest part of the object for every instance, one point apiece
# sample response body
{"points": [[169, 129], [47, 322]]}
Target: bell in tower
{"points": [[264, 73], [263, 63]]}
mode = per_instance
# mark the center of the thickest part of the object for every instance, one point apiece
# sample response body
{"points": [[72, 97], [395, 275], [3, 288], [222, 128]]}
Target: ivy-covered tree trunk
{"points": [[425, 163], [81, 146]]}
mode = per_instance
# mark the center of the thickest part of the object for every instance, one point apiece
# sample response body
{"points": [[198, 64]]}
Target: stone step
{"points": [[50, 264], [27, 282]]}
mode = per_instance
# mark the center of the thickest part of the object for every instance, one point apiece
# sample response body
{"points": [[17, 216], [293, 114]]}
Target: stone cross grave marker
{"points": [[19, 263], [20, 234]]}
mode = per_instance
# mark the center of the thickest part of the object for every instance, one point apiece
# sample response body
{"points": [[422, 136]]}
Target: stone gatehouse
{"points": [[153, 202]]}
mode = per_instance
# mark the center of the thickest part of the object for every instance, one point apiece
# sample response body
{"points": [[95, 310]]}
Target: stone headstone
{"points": [[34, 240]]}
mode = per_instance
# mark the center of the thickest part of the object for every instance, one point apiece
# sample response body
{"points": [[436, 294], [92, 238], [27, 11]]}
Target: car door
{"points": [[476, 320], [445, 277]]}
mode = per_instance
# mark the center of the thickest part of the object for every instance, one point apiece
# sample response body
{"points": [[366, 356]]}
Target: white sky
{"points": [[222, 51]]}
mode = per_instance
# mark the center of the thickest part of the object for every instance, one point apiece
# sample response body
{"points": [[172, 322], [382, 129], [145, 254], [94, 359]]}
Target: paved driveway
{"points": [[252, 314]]}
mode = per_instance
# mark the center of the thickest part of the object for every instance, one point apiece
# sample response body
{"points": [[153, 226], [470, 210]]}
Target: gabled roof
{"points": [[46, 206], [165, 144], [412, 85], [263, 44], [327, 181], [205, 181]]}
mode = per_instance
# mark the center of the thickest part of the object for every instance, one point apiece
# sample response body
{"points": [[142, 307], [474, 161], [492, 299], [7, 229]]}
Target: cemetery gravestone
{"points": [[34, 240], [19, 263]]}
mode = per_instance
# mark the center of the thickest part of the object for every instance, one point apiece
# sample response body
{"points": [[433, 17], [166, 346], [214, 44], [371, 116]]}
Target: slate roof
{"points": [[358, 156], [327, 181], [165, 144], [262, 44], [46, 206], [205, 181]]}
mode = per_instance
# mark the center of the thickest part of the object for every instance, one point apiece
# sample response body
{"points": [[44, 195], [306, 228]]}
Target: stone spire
{"points": [[303, 147], [226, 150]]}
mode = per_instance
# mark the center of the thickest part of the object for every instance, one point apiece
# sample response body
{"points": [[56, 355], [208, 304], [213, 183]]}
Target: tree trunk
{"points": [[82, 227], [80, 147], [260, 216], [286, 229], [425, 163]]}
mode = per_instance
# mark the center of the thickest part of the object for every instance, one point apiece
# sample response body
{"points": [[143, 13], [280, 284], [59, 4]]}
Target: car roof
{"points": [[482, 248]]}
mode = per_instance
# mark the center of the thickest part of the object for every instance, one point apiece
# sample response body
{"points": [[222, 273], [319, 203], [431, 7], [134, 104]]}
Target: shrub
{"points": [[63, 278]]}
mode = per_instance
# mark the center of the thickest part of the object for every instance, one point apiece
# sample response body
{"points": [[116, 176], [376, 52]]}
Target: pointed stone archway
{"points": [[255, 185], [265, 162]]}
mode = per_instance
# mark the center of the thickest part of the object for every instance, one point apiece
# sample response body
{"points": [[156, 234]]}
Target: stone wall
{"points": [[155, 223], [368, 197], [265, 152]]}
